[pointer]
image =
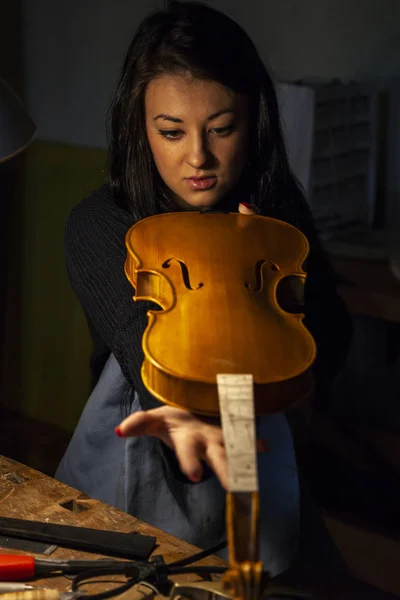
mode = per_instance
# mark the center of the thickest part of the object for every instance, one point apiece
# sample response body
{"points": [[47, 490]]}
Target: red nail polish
{"points": [[247, 205], [262, 446], [119, 432]]}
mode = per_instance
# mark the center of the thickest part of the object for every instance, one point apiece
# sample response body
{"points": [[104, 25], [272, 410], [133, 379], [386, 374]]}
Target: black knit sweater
{"points": [[95, 256]]}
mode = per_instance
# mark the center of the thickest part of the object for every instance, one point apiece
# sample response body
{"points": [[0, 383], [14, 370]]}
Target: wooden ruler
{"points": [[236, 402]]}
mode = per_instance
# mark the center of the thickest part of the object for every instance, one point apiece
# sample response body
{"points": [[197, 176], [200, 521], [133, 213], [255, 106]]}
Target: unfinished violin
{"points": [[216, 278]]}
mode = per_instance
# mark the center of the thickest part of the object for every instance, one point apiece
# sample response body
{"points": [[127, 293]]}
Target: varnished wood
{"points": [[216, 279]]}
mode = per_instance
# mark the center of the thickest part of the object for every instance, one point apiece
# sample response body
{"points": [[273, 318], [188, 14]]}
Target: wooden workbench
{"points": [[29, 494]]}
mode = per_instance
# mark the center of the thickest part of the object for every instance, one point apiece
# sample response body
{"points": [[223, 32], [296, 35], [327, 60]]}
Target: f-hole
{"points": [[259, 274], [185, 273]]}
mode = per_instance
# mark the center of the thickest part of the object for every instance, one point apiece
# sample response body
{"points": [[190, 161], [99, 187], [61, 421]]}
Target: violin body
{"points": [[216, 278]]}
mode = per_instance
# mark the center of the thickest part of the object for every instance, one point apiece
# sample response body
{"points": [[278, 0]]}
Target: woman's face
{"points": [[198, 134]]}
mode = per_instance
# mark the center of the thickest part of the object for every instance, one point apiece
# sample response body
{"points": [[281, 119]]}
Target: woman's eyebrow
{"points": [[165, 117]]}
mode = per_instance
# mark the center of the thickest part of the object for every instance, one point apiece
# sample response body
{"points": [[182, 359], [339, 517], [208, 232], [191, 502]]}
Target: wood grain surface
{"points": [[29, 494]]}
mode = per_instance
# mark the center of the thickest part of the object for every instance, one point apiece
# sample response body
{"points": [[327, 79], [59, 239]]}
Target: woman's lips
{"points": [[203, 183]]}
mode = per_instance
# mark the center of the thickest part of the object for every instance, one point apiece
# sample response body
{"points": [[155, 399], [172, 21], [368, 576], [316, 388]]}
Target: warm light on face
{"points": [[198, 132]]}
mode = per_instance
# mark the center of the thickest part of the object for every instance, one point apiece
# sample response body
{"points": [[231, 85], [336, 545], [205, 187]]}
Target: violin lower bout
{"points": [[202, 398]]}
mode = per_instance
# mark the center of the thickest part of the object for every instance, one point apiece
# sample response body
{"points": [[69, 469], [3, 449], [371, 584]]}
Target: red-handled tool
{"points": [[16, 567], [19, 567]]}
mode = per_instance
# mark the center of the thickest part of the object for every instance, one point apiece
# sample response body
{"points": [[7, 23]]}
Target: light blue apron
{"points": [[128, 474]]}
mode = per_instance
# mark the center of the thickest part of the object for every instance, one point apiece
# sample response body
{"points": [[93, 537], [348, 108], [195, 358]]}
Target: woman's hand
{"points": [[192, 439]]}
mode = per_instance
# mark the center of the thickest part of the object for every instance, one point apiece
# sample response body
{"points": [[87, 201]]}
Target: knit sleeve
{"points": [[95, 252]]}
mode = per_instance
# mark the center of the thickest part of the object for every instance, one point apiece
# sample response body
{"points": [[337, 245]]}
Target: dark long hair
{"points": [[190, 37]]}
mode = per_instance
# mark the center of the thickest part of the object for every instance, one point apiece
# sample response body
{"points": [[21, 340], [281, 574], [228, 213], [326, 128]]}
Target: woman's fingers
{"points": [[140, 423], [215, 456], [262, 446], [189, 451], [192, 440], [248, 209]]}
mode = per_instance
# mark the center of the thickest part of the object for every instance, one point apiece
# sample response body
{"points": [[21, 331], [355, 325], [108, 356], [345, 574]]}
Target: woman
{"points": [[194, 124]]}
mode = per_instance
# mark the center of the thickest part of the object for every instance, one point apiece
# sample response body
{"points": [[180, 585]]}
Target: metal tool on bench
{"points": [[155, 573], [11, 586], [111, 543]]}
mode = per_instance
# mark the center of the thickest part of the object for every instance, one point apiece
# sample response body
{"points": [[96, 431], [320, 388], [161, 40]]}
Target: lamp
{"points": [[17, 129]]}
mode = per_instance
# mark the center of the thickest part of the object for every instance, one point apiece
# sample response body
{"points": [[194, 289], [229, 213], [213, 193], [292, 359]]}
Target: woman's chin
{"points": [[197, 201]]}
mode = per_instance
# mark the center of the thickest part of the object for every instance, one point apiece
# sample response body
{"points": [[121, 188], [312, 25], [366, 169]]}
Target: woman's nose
{"points": [[197, 152]]}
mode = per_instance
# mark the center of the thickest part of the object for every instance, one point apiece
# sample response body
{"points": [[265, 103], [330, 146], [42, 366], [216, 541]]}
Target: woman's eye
{"points": [[171, 134], [177, 134], [222, 130]]}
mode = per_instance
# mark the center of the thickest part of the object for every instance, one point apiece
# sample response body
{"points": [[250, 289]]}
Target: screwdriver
{"points": [[19, 567]]}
